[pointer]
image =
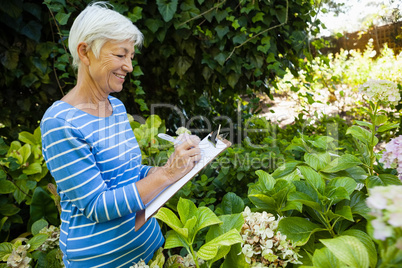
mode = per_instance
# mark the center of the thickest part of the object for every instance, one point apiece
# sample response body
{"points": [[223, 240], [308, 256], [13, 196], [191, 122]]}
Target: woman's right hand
{"points": [[185, 156]]}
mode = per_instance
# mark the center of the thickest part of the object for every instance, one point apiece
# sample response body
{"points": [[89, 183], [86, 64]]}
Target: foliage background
{"points": [[204, 57]]}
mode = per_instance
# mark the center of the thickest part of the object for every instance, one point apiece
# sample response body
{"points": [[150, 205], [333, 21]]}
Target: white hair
{"points": [[96, 25]]}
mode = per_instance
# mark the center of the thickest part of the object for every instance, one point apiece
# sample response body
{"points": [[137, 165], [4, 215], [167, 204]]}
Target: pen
{"points": [[167, 137]]}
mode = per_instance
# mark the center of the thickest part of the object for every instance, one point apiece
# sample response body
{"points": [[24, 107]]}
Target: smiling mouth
{"points": [[119, 75]]}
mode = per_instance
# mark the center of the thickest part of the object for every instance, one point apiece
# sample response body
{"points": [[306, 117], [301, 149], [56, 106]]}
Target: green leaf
{"points": [[62, 18], [174, 240], [5, 249], [37, 241], [361, 134], [258, 17], [383, 180], [168, 217], [7, 187], [265, 180], [186, 209], [167, 9], [343, 162], [323, 258], [336, 194], [235, 258], [263, 202], [342, 211], [32, 30], [317, 160], [229, 222], [313, 178], [9, 209], [136, 14], [281, 15], [209, 250], [43, 206], [33, 168], [304, 199], [232, 204], [349, 250], [348, 183], [380, 119], [367, 242], [364, 123], [38, 225], [182, 64], [153, 24], [205, 217], [221, 31], [298, 230], [387, 127]]}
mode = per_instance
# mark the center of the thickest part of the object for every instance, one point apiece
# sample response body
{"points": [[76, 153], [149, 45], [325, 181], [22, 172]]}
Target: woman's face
{"points": [[109, 70]]}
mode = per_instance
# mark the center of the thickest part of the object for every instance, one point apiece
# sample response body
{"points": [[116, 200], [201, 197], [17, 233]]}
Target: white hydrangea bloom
{"points": [[384, 202], [381, 90], [18, 258], [263, 245]]}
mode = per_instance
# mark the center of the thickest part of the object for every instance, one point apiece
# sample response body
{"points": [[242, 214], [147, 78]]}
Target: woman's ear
{"points": [[83, 54]]}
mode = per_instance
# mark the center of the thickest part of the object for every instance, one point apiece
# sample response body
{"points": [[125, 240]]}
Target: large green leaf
{"points": [[263, 201], [323, 258], [209, 250], [43, 206], [367, 242], [313, 178], [205, 217], [298, 230], [235, 258], [362, 135], [5, 249], [347, 183], [7, 187], [266, 181], [174, 240], [168, 217], [229, 222], [232, 204], [167, 8], [186, 209], [349, 250], [37, 241], [317, 160], [343, 162]]}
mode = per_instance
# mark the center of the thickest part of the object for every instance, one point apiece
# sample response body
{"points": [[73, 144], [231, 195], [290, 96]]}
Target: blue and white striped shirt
{"points": [[96, 162]]}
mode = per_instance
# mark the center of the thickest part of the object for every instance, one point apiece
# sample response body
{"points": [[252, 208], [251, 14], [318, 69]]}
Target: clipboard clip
{"points": [[214, 136]]}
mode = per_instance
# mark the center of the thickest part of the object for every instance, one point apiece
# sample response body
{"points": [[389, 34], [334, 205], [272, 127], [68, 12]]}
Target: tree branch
{"points": [[203, 13]]}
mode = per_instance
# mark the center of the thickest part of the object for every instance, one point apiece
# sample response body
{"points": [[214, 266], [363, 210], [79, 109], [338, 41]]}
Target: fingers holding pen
{"points": [[185, 156]]}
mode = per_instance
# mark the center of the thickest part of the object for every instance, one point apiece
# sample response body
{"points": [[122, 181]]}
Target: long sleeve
{"points": [[73, 164]]}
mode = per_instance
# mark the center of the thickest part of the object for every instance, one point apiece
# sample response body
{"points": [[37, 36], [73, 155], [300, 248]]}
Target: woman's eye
{"points": [[120, 56]]}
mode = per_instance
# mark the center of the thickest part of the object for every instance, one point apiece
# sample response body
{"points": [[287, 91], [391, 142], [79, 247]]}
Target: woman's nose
{"points": [[128, 65]]}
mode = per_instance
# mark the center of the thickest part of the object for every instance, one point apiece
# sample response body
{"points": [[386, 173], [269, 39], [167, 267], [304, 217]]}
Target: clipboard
{"points": [[210, 149]]}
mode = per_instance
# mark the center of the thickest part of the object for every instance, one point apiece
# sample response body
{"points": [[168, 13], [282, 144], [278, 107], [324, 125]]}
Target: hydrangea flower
{"points": [[140, 264], [182, 130], [392, 157], [263, 245], [384, 202], [53, 238], [18, 258], [381, 90]]}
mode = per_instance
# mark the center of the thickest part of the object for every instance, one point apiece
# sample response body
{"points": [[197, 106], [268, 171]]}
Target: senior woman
{"points": [[91, 151]]}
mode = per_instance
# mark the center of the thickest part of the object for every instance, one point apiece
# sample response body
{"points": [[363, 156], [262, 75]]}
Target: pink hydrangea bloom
{"points": [[392, 157]]}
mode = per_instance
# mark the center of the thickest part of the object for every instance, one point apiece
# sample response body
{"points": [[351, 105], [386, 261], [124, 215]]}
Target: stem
{"points": [[194, 256], [371, 145]]}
